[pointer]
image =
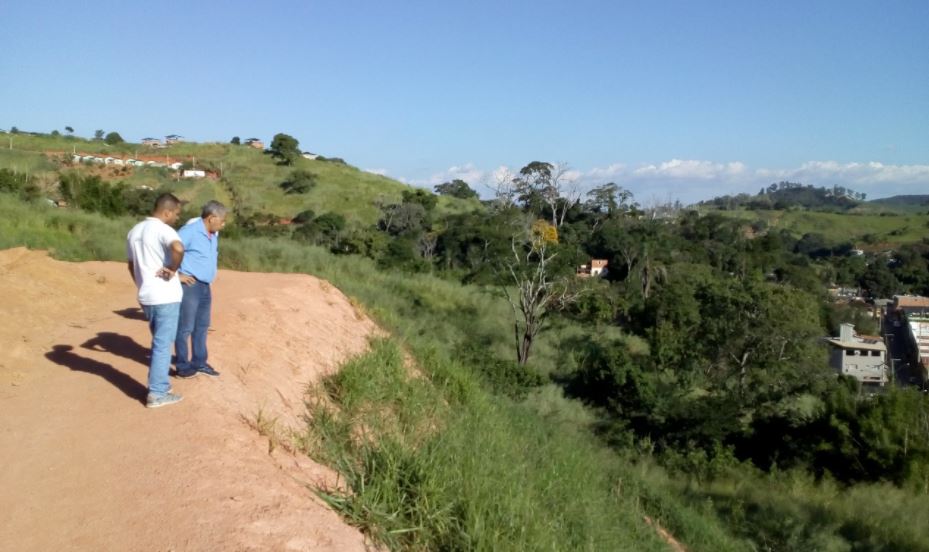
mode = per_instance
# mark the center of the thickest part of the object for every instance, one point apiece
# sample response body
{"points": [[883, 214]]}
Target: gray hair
{"points": [[213, 207]]}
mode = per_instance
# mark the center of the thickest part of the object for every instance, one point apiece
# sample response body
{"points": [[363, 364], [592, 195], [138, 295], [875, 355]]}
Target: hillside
{"points": [[865, 231], [903, 203], [87, 467], [251, 174]]}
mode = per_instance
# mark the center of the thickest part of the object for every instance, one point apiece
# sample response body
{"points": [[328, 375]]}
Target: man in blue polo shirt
{"points": [[200, 237]]}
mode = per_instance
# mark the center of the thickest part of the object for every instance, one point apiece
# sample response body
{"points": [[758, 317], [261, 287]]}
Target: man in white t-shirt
{"points": [[155, 251]]}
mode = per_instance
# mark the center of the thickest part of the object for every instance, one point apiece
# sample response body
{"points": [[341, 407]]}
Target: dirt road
{"points": [[85, 466]]}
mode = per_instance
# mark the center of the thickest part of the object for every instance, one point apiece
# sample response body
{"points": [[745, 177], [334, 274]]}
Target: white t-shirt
{"points": [[148, 246]]}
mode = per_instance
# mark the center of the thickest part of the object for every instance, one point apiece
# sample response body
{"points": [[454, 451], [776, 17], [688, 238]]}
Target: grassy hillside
{"points": [[254, 175], [867, 231], [901, 204], [451, 463]]}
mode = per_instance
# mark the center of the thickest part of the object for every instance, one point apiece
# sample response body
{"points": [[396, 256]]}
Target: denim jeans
{"points": [[193, 324], [162, 321]]}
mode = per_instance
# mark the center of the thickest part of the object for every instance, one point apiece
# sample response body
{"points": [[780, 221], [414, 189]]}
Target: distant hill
{"points": [[902, 203], [787, 195], [903, 200]]}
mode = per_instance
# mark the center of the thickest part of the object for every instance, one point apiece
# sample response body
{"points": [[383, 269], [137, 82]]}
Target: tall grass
{"points": [[437, 464]]}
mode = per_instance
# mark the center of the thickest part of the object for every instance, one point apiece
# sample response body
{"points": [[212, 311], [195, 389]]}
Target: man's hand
{"points": [[186, 279], [165, 273]]}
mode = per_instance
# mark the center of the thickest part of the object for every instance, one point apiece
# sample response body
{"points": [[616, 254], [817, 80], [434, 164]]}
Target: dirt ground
{"points": [[85, 466]]}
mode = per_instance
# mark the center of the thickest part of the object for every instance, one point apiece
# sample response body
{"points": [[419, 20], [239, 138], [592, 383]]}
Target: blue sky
{"points": [[669, 99]]}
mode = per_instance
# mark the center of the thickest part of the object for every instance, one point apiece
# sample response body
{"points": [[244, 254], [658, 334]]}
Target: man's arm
{"points": [[177, 255], [131, 270]]}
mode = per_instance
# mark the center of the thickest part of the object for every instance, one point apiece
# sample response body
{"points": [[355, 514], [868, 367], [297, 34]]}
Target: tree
{"points": [[98, 134], [285, 148], [608, 199], [536, 290], [113, 138], [300, 182], [70, 130], [235, 141], [456, 188], [540, 185]]}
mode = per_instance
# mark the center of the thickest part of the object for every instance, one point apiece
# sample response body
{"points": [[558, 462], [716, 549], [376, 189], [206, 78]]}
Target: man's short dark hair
{"points": [[166, 202], [213, 207]]}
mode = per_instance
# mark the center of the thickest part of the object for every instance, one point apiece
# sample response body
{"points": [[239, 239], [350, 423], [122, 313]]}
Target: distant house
{"points": [[863, 357], [151, 142], [255, 143], [597, 267], [909, 304], [309, 155], [173, 139], [193, 173], [108, 160], [176, 166], [76, 158]]}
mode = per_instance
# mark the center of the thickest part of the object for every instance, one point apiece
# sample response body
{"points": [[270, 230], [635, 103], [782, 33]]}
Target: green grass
{"points": [[885, 231], [441, 465], [256, 176], [434, 458]]}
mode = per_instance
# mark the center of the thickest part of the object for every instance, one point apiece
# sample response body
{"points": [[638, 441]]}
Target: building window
{"points": [[875, 353]]}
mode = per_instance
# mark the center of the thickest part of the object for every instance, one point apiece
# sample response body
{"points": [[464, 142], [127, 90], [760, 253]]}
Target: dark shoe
{"points": [[157, 401], [187, 374], [208, 371]]}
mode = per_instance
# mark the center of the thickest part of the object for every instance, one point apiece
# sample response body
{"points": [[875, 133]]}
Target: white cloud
{"points": [[382, 172], [693, 180]]}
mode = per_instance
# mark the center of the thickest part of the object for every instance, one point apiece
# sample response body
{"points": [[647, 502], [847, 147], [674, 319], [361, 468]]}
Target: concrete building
{"points": [[863, 357], [597, 267]]}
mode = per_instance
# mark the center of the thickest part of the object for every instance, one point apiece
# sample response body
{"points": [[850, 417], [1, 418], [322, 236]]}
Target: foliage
{"points": [[456, 188], [113, 138], [299, 182], [285, 148], [20, 184]]}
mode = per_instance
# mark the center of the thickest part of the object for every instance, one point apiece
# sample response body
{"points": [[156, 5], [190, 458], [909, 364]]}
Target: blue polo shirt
{"points": [[201, 251]]}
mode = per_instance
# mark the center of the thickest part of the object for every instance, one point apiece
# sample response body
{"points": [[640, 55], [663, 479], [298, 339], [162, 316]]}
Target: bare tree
{"points": [[533, 292], [427, 243], [503, 188]]}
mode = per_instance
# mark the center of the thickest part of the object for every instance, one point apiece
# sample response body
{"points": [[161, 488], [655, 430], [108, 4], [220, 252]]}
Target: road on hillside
{"points": [[896, 337]]}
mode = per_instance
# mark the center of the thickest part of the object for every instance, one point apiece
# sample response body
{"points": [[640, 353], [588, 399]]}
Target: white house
{"points": [[863, 357], [193, 173], [118, 161], [176, 165]]}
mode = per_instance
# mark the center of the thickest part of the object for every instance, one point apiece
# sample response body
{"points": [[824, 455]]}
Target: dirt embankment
{"points": [[85, 466]]}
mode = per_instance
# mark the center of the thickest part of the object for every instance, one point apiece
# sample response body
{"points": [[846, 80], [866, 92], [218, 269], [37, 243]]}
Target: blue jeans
{"points": [[193, 324], [162, 321]]}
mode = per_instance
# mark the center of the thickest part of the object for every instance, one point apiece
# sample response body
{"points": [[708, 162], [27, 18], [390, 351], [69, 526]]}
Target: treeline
{"points": [[787, 195]]}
